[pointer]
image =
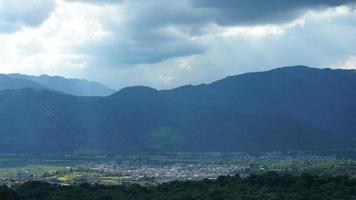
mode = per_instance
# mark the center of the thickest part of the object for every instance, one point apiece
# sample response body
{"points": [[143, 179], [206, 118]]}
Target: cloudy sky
{"points": [[168, 43]]}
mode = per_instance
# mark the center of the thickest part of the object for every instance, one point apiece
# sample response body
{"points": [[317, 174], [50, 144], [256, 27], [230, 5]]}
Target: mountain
{"points": [[290, 108], [323, 97], [7, 82], [76, 87]]}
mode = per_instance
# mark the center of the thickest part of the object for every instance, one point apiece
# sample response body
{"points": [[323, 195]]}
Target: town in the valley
{"points": [[159, 168]]}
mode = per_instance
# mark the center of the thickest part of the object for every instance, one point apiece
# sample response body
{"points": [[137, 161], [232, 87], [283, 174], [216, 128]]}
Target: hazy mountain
{"points": [[292, 108], [7, 82], [77, 87]]}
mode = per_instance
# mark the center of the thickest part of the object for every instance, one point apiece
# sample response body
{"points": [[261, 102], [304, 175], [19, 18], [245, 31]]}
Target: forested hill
{"points": [[290, 108], [270, 186]]}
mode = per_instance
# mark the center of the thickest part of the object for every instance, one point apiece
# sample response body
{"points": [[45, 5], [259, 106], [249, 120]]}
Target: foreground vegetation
{"points": [[267, 186]]}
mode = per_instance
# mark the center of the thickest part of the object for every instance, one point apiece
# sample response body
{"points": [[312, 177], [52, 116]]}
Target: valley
{"points": [[157, 168]]}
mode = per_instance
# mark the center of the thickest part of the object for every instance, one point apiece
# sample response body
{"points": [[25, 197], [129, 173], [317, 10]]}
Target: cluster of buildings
{"points": [[141, 169], [20, 177], [163, 173]]}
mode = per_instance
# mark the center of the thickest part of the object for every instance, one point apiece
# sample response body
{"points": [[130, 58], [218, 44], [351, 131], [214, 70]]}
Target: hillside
{"points": [[323, 97], [291, 108]]}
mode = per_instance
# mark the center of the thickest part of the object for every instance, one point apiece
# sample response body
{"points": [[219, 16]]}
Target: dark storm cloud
{"points": [[223, 12], [16, 14], [135, 46], [247, 12], [151, 31]]}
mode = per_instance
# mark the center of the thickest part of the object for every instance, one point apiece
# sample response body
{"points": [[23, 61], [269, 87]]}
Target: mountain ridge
{"points": [[7, 82], [78, 87], [287, 109]]}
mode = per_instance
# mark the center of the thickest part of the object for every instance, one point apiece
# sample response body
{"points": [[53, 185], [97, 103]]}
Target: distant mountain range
{"points": [[77, 87], [289, 108], [8, 82]]}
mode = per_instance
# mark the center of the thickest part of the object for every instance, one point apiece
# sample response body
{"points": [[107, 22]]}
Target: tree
{"points": [[7, 194]]}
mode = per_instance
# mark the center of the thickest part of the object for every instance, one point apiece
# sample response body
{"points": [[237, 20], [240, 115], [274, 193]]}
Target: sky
{"points": [[168, 43]]}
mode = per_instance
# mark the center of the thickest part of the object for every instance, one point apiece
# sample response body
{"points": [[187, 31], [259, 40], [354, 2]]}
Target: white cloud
{"points": [[165, 79], [348, 63], [49, 47]]}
